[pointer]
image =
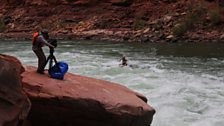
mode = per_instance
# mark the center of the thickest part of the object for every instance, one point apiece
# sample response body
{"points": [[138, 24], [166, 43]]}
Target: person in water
{"points": [[124, 61], [39, 40]]}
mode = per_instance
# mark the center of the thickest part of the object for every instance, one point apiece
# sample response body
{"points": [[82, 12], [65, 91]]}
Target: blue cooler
{"points": [[58, 70]]}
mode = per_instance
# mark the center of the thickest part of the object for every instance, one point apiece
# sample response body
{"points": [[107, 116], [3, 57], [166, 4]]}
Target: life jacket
{"points": [[34, 42]]}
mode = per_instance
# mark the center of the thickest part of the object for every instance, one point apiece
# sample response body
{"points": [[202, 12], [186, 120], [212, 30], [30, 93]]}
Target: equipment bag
{"points": [[58, 70]]}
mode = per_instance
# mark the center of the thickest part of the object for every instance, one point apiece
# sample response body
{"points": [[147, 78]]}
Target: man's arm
{"points": [[42, 39]]}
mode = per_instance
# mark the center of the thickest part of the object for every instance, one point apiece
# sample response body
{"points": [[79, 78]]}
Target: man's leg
{"points": [[41, 60]]}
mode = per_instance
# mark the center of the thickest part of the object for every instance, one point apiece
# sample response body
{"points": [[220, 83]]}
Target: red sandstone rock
{"points": [[14, 104], [83, 101], [29, 16], [16, 63]]}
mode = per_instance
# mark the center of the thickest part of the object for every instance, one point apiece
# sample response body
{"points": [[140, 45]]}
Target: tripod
{"points": [[51, 58]]}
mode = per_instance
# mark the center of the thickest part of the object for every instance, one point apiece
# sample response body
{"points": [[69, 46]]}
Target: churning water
{"points": [[183, 82]]}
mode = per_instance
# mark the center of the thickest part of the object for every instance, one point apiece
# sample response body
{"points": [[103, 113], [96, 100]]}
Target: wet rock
{"points": [[83, 101]]}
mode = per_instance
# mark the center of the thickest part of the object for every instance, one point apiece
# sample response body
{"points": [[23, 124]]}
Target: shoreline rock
{"points": [[82, 101], [136, 38]]}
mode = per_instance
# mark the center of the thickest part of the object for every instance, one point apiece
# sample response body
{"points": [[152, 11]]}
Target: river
{"points": [[183, 82]]}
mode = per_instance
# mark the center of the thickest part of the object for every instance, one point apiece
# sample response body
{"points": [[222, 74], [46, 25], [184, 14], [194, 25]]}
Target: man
{"points": [[39, 40], [124, 61]]}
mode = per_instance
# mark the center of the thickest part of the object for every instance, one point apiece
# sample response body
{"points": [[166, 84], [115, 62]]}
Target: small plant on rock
{"points": [[190, 21], [179, 29]]}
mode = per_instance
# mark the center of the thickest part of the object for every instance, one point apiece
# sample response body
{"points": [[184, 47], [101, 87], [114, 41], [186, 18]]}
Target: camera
{"points": [[53, 42]]}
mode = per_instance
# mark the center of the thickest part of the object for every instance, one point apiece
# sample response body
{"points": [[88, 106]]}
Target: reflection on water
{"points": [[183, 82]]}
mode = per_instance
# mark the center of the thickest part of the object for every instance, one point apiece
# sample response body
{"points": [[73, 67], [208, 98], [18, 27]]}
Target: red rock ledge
{"points": [[83, 101]]}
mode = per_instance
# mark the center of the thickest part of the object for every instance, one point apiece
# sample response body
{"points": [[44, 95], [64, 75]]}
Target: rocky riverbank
{"points": [[115, 20]]}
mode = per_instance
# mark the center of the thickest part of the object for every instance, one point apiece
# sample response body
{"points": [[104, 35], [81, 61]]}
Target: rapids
{"points": [[183, 82]]}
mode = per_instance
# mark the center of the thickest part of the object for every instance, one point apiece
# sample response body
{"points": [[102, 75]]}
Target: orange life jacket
{"points": [[35, 35], [34, 42]]}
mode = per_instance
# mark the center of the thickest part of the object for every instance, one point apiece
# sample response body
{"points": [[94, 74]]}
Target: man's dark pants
{"points": [[41, 59]]}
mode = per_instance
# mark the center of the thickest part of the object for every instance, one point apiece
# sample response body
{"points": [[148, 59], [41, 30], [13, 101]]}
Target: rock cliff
{"points": [[116, 20]]}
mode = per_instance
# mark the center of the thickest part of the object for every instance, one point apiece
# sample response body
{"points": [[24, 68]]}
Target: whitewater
{"points": [[183, 82]]}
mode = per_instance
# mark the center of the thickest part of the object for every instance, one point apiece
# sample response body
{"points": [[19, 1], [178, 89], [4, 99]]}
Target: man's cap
{"points": [[44, 31]]}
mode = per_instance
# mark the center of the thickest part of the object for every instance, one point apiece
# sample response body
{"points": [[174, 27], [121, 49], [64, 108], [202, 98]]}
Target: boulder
{"points": [[83, 101], [14, 61], [14, 104]]}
